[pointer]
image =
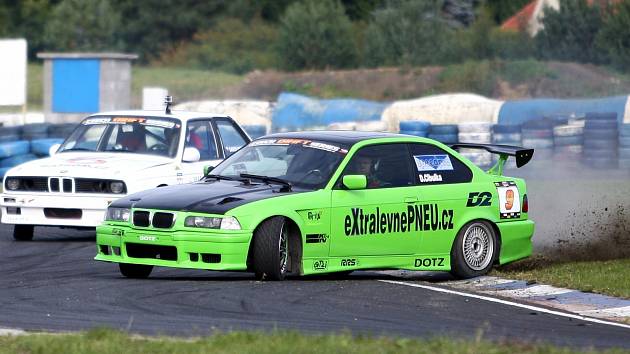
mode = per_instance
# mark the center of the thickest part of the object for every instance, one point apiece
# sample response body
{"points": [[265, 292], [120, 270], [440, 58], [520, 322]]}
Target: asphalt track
{"points": [[52, 284]]}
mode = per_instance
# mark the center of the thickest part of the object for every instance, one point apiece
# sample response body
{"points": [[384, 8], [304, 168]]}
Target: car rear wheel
{"points": [[23, 232], [474, 250], [136, 271], [271, 249]]}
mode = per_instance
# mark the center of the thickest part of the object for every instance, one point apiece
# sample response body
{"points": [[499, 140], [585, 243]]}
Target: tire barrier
{"points": [[479, 133], [3, 171], [568, 140], [35, 131], [538, 135], [444, 133], [41, 147], [624, 146], [13, 148], [17, 159], [61, 131], [255, 131], [8, 134], [601, 142], [415, 127]]}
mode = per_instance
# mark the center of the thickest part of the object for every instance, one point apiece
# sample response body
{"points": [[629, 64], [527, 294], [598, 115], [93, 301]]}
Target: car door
{"points": [[375, 220], [444, 186], [200, 135], [231, 136]]}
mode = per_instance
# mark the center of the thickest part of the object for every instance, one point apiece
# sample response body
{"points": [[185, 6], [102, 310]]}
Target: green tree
{"points": [[232, 45], [570, 33], [409, 32], [501, 10], [614, 37], [83, 25], [316, 34], [26, 19], [152, 26]]}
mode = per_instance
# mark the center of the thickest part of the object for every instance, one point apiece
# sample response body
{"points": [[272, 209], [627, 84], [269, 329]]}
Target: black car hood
{"points": [[212, 197]]}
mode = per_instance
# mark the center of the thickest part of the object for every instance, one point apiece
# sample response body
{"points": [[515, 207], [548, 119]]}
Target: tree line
{"points": [[242, 35]]}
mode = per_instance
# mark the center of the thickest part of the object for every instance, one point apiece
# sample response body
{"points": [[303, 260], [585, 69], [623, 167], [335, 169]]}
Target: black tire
{"points": [[595, 144], [466, 262], [23, 232], [605, 134], [444, 129], [135, 271], [272, 253], [506, 129], [600, 124]]}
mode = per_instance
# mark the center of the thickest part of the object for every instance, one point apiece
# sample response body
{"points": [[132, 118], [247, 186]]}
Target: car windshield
{"points": [[142, 135], [303, 163]]}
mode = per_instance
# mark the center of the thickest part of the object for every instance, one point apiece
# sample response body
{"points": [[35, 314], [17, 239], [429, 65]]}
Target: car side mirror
{"points": [[191, 154], [53, 149], [354, 182], [207, 169]]}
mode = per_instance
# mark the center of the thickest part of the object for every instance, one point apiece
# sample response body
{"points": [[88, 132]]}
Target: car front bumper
{"points": [[52, 210], [204, 249]]}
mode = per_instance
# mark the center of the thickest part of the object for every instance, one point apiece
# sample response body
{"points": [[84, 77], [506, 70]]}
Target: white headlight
{"points": [[12, 184], [117, 214], [230, 223], [117, 187]]}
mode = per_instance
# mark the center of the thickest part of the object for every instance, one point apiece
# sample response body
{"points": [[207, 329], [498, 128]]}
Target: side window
{"points": [[232, 139], [385, 165], [436, 166], [199, 135]]}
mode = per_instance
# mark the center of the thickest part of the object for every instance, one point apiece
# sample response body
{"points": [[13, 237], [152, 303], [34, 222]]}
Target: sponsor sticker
{"points": [[476, 199], [93, 121], [420, 217], [429, 262], [320, 264], [433, 163], [430, 177], [159, 123], [509, 200]]}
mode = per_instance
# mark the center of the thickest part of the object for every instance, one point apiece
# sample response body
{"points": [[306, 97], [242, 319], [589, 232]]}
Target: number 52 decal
{"points": [[479, 199]]}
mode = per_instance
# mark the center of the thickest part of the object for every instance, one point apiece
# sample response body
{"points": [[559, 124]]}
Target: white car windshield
{"points": [[142, 135], [302, 163]]}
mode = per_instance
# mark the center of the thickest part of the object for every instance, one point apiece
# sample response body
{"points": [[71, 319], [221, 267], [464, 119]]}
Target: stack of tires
{"points": [[478, 133], [415, 127], [601, 145], [507, 134], [8, 134], [255, 131], [624, 146], [568, 140], [538, 134], [444, 133], [61, 131], [35, 131], [14, 153]]}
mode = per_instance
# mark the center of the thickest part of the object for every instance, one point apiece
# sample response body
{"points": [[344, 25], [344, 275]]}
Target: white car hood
{"points": [[89, 165]]}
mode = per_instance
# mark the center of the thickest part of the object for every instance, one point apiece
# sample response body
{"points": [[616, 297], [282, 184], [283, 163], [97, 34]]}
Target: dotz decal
{"points": [[428, 177], [147, 238], [320, 264], [476, 199], [351, 262], [429, 262], [421, 217]]}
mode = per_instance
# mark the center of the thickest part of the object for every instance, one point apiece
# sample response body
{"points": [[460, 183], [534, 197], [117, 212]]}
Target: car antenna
{"points": [[168, 101]]}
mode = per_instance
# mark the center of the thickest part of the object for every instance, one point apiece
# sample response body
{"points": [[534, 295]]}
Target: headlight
{"points": [[210, 222], [117, 214], [13, 184], [117, 187]]}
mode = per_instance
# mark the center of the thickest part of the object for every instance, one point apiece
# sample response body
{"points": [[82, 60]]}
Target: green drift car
{"points": [[321, 202]]}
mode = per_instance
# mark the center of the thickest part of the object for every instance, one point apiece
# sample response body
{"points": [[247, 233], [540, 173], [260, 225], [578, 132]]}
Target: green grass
{"points": [[604, 277], [183, 84], [109, 341]]}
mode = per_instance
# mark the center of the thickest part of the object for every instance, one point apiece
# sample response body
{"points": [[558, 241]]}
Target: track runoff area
{"points": [[53, 284]]}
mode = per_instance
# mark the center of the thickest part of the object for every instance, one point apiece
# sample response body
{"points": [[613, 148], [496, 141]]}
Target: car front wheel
{"points": [[136, 271], [271, 249], [23, 232], [474, 250]]}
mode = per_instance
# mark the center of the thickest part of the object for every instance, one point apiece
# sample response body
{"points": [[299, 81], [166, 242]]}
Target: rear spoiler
{"points": [[522, 155]]}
